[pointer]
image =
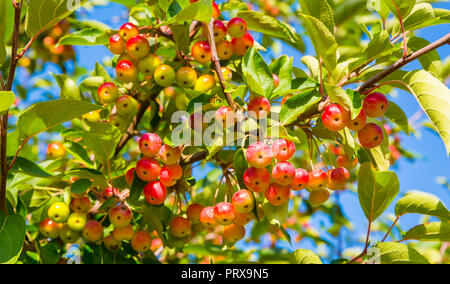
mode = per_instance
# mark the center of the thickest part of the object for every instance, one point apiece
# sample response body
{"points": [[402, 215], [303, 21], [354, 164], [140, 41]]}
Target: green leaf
{"points": [[43, 14], [200, 11], [6, 21], [2, 52], [404, 7], [323, 41], [421, 203], [68, 87], [298, 105], [304, 256], [80, 186], [102, 139], [430, 61], [396, 253], [345, 10], [260, 22], [77, 151], [141, 15], [181, 36], [421, 16], [319, 9], [88, 37], [257, 73], [28, 167], [395, 114], [12, 236], [151, 217], [276, 215], [313, 65], [45, 115], [6, 101], [434, 98], [136, 188], [283, 68], [436, 231], [240, 165], [376, 190]]}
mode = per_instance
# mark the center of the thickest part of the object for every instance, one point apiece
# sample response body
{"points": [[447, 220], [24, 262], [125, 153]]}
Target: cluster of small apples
{"points": [[58, 53], [335, 118]]}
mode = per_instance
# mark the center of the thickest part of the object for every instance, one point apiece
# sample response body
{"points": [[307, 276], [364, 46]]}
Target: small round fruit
{"points": [[118, 121], [243, 219], [237, 27], [129, 176], [68, 235], [359, 122], [56, 150], [219, 31], [92, 116], [186, 77], [276, 81], [224, 213], [120, 216], [301, 179], [225, 117], [141, 242], [227, 74], [128, 30], [50, 229], [117, 45], [257, 179], [170, 174], [148, 64], [344, 161], [334, 117], [164, 75], [193, 212], [370, 136], [126, 106], [283, 173], [204, 83], [126, 71], [169, 155], [150, 144], [233, 233], [111, 243], [258, 107], [77, 221], [201, 51], [243, 201], [110, 192], [319, 197], [207, 217], [224, 50], [375, 105], [138, 47], [180, 227], [337, 178], [93, 231], [259, 155], [241, 45], [123, 234], [283, 149], [215, 11], [318, 180], [58, 212], [155, 193], [277, 194], [148, 169]]}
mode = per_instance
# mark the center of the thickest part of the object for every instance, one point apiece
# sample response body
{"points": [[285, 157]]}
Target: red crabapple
{"points": [[109, 192], [126, 71], [93, 231], [225, 50], [148, 169], [180, 227], [207, 217], [120, 216], [170, 174], [334, 117], [117, 45], [111, 243], [318, 197], [257, 180], [241, 45], [128, 30], [225, 116], [201, 51], [193, 212], [375, 105], [243, 201], [258, 107], [123, 234], [337, 178], [219, 31], [216, 11], [243, 219], [141, 242], [259, 155], [283, 149], [150, 144], [276, 81], [155, 193], [169, 155], [56, 150], [359, 122], [301, 179], [370, 136], [224, 213], [277, 194], [129, 176], [80, 205], [318, 180], [237, 27], [283, 173], [49, 228], [233, 233], [344, 161], [138, 47]]}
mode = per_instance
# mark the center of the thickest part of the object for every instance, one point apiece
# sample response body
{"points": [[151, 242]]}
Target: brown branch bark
{"points": [[194, 158]]}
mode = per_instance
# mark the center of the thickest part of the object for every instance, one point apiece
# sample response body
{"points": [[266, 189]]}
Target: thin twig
{"points": [[390, 229]]}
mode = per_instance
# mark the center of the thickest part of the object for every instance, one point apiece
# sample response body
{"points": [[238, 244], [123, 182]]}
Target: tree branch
{"points": [[194, 158]]}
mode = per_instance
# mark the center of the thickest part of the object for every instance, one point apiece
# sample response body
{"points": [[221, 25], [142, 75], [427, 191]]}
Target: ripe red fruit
{"points": [[225, 50], [344, 161], [283, 149], [93, 231], [123, 234], [335, 117], [259, 107], [120, 216], [148, 169], [216, 11], [150, 144], [318, 180], [283, 173], [117, 45], [259, 155], [170, 174], [301, 179], [180, 227], [224, 213], [237, 27], [243, 201], [243, 219], [370, 136], [169, 155], [233, 233], [193, 212], [277, 194], [207, 217], [50, 229], [201, 51], [128, 30], [376, 104], [318, 197], [80, 205], [138, 47], [241, 45], [276, 81], [56, 150], [337, 178], [111, 243], [196, 122], [225, 116], [359, 122], [126, 71], [109, 192], [219, 31], [155, 193], [141, 242], [257, 179]]}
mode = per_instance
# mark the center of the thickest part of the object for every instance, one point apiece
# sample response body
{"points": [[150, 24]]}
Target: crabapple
{"points": [[58, 212], [117, 45], [375, 104], [337, 178], [76, 222], [204, 83], [126, 57], [150, 144], [124, 233], [283, 173], [138, 47], [207, 217], [126, 106], [243, 219], [111, 243], [301, 179], [129, 176], [169, 155], [276, 81], [148, 64], [56, 150], [110, 192], [201, 51], [120, 216], [180, 227], [258, 107], [237, 27], [219, 31], [370, 136], [148, 169], [164, 75], [344, 161], [224, 213], [93, 231], [225, 116], [227, 74], [241, 45], [128, 30], [155, 193], [215, 11], [243, 201], [225, 50], [318, 180], [141, 242], [257, 179], [359, 122], [50, 229], [118, 121], [196, 122], [193, 212], [68, 235], [186, 77], [319, 197], [92, 116], [283, 149], [335, 117], [233, 233], [126, 71], [277, 194], [170, 174], [259, 155]]}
